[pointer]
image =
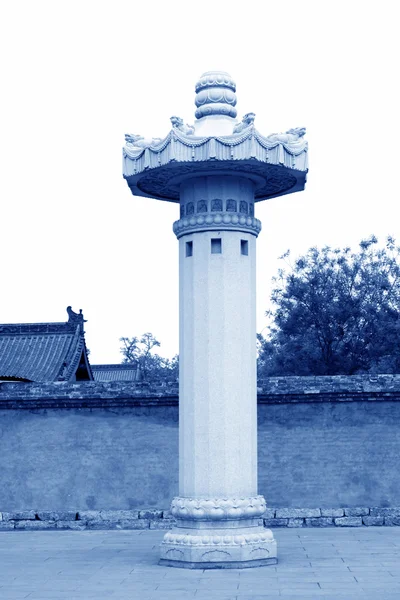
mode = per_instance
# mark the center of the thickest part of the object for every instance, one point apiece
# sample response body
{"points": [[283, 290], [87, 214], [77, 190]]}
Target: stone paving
{"points": [[331, 563]]}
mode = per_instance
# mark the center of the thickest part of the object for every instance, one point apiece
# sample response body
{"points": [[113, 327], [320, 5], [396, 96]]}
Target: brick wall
{"points": [[323, 442]]}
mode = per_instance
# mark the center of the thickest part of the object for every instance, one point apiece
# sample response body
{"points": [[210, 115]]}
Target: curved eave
{"points": [[76, 355], [13, 379], [157, 171], [270, 180]]}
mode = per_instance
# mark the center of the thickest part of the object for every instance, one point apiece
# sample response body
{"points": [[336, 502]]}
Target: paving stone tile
{"points": [[338, 595], [122, 565], [340, 585], [184, 596], [271, 595], [12, 594], [326, 562], [302, 591], [258, 586]]}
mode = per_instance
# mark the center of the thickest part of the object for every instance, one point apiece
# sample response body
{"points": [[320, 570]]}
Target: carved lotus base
{"points": [[224, 545]]}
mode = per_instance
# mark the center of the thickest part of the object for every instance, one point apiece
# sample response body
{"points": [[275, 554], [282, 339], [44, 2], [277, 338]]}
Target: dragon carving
{"points": [[177, 123]]}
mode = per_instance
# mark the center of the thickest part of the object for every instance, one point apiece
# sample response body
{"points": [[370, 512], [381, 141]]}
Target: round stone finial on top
{"points": [[215, 95]]}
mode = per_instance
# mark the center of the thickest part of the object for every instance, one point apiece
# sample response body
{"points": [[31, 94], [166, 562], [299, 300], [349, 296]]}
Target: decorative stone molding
{"points": [[217, 221], [218, 540], [218, 508], [247, 121], [157, 170], [215, 95], [213, 548], [204, 206], [177, 123]]}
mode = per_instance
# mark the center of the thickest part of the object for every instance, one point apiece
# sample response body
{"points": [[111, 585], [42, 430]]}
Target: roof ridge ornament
{"points": [[177, 123], [75, 318], [247, 121], [135, 141], [289, 137]]}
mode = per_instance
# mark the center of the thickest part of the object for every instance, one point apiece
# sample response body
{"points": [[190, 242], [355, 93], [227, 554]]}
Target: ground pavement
{"points": [[332, 563]]}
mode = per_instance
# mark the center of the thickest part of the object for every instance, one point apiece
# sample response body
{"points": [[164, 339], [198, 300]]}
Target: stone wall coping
{"points": [[274, 390]]}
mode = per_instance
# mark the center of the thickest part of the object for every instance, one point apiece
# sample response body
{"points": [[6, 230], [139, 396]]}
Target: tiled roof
{"points": [[117, 372], [43, 352]]}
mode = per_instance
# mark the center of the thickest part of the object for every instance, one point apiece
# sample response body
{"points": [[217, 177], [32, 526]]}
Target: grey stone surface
{"points": [[356, 512], [162, 523], [295, 523], [251, 564], [269, 513], [369, 521], [134, 524], [150, 514], [332, 512], [35, 525], [118, 515], [101, 524], [50, 515], [88, 515], [320, 522], [22, 515], [335, 563], [275, 522], [348, 521], [104, 520], [295, 513], [74, 525], [385, 512], [392, 520]]}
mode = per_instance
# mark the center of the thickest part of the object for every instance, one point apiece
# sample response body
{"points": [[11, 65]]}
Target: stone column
{"points": [[217, 168], [218, 509]]}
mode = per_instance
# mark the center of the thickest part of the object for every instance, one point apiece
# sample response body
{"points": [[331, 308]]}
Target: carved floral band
{"points": [[216, 221], [218, 508]]}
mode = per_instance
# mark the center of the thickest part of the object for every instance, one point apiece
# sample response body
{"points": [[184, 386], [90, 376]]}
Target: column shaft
{"points": [[218, 510], [217, 410]]}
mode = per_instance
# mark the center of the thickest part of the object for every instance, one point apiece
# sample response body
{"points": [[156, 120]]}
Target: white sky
{"points": [[76, 76]]}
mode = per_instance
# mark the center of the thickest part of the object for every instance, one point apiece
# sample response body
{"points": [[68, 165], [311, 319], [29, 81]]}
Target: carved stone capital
{"points": [[217, 221], [215, 509]]}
